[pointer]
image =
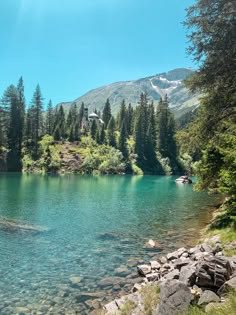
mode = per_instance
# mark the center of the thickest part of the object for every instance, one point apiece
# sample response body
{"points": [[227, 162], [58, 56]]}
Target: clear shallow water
{"points": [[95, 225]]}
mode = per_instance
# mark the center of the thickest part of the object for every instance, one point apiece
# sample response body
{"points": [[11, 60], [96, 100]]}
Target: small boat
{"points": [[183, 180]]}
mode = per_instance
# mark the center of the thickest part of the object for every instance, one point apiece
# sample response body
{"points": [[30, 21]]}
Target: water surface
{"points": [[94, 226]]}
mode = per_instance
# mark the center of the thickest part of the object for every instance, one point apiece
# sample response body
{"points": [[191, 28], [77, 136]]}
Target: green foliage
{"points": [[186, 162], [49, 157], [100, 159], [111, 140], [128, 307], [213, 45], [136, 170]]}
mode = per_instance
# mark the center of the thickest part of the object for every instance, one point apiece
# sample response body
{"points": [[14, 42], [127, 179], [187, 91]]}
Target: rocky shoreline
{"points": [[201, 275]]}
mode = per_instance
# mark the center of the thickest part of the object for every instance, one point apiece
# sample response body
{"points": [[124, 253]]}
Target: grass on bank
{"points": [[227, 235], [226, 308], [151, 297]]}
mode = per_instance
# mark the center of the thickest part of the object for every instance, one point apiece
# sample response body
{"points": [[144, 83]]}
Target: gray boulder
{"points": [[194, 250], [155, 276], [175, 298], [206, 248], [227, 286], [111, 308], [172, 256], [208, 297], [188, 275], [143, 270], [181, 251], [163, 260], [155, 264], [179, 263], [174, 274]]}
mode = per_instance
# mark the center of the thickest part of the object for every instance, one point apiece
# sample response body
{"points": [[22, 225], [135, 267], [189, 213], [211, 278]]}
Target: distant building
{"points": [[89, 118]]}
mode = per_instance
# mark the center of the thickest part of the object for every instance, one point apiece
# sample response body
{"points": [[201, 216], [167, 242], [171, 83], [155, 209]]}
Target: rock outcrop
{"points": [[201, 275]]}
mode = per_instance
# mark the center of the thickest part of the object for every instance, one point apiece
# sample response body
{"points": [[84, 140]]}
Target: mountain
{"points": [[170, 83]]}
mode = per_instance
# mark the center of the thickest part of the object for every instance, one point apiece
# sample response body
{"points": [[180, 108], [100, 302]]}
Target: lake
{"points": [[96, 228]]}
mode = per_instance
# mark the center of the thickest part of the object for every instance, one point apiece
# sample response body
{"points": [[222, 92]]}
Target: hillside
{"points": [[170, 83]]}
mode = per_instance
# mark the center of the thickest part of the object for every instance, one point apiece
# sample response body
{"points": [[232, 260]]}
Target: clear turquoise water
{"points": [[95, 225]]}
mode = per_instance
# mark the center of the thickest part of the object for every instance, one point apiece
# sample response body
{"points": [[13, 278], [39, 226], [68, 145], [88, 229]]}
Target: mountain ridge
{"points": [[156, 86]]}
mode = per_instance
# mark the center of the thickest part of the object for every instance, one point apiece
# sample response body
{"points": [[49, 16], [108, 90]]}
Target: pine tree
{"points": [[81, 114], [122, 116], [76, 132], [130, 120], [29, 125], [60, 124], [21, 100], [102, 135], [37, 126], [49, 119], [122, 144], [111, 132], [14, 136], [150, 144], [141, 127], [93, 129], [166, 130], [70, 124], [5, 114], [106, 114], [162, 127]]}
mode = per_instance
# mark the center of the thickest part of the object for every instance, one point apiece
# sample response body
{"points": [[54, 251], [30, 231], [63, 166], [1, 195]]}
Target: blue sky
{"points": [[72, 46]]}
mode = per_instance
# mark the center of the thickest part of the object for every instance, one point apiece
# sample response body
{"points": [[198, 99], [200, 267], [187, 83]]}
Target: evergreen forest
{"points": [[137, 140]]}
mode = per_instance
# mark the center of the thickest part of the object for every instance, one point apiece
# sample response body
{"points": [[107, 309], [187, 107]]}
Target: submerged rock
{"points": [[14, 226], [111, 281], [152, 244], [75, 280]]}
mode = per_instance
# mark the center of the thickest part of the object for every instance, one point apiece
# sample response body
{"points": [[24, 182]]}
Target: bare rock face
{"points": [[213, 272], [188, 275], [175, 298]]}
